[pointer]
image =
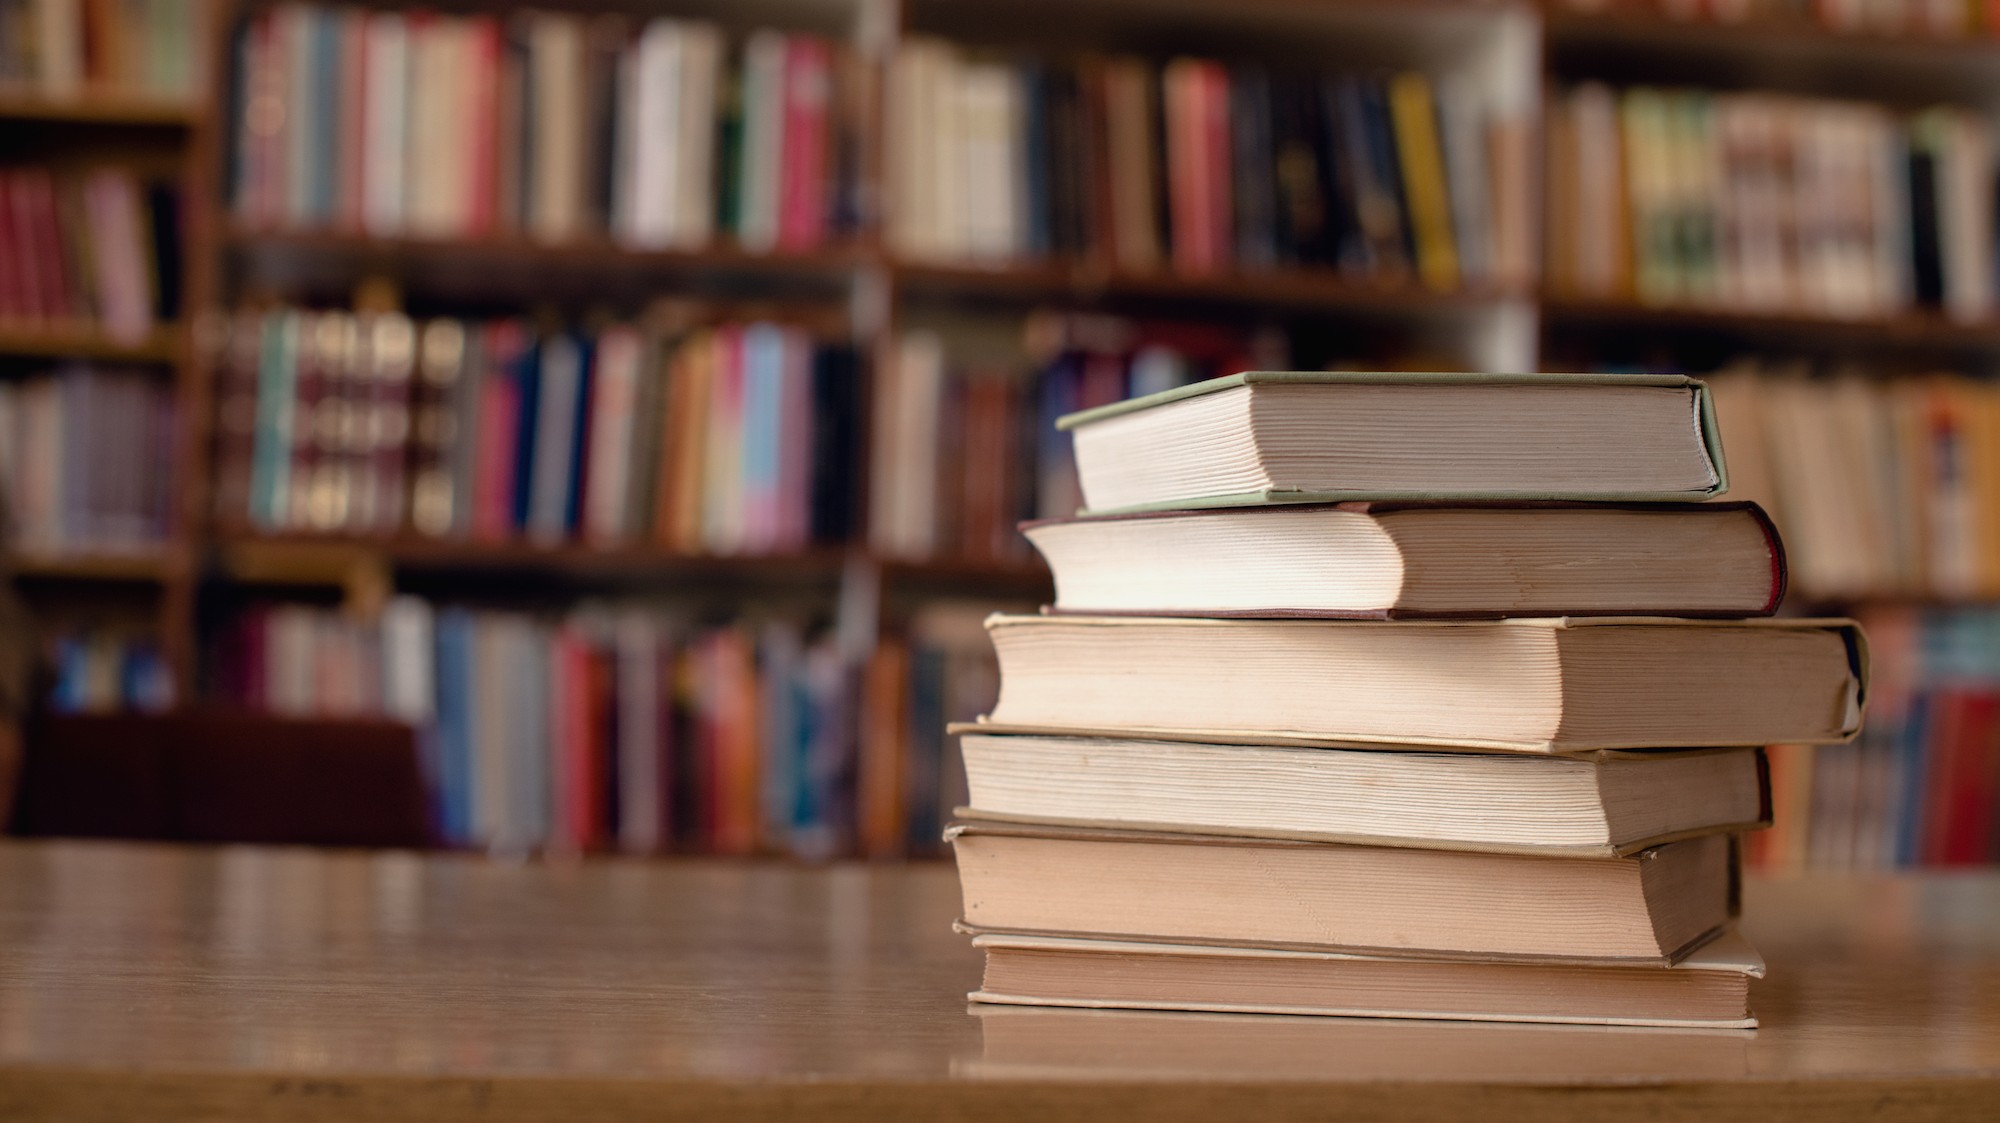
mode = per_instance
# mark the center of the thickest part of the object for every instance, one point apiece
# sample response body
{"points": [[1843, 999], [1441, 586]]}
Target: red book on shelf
{"points": [[569, 715], [1220, 220], [51, 269], [1186, 175], [20, 219], [1967, 799], [349, 166], [13, 300], [803, 159], [1950, 717], [499, 413], [482, 78], [600, 701]]}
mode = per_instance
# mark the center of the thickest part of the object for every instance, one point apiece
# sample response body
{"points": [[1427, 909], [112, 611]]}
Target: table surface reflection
{"points": [[281, 983]]}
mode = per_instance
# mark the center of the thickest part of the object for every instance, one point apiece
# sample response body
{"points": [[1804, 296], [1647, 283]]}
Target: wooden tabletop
{"points": [[157, 983]]}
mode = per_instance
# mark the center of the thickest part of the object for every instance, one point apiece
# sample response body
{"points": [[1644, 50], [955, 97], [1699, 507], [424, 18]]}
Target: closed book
{"points": [[1531, 685], [1411, 560], [1263, 437], [808, 90], [1603, 804], [1655, 906], [1707, 989], [1414, 118], [435, 436]]}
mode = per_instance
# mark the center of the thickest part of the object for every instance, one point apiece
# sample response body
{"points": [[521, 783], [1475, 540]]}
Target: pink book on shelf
{"points": [[482, 124], [124, 277], [803, 161], [349, 164], [58, 301], [1219, 220], [572, 781], [795, 452], [499, 419], [20, 220]]}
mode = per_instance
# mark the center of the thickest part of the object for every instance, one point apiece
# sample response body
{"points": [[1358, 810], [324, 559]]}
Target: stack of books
{"points": [[1411, 696]]}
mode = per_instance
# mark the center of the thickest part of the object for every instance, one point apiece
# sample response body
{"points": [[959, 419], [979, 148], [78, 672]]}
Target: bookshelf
{"points": [[891, 592]]}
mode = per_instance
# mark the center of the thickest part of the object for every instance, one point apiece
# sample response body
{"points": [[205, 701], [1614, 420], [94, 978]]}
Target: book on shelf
{"points": [[690, 433], [1769, 203], [1200, 167], [102, 669], [554, 126], [1604, 803], [82, 451], [1409, 560], [94, 249], [74, 50], [1528, 684], [1708, 988], [1921, 785], [965, 447], [1318, 436], [626, 726], [1043, 880]]}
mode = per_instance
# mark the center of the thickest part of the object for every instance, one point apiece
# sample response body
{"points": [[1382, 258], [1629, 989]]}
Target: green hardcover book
{"points": [[1316, 436]]}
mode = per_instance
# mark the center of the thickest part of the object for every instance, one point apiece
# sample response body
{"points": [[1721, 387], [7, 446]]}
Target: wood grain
{"points": [[236, 983]]}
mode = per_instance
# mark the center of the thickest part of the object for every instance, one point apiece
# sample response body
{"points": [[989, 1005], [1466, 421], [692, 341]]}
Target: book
{"points": [[1529, 685], [1709, 988], [1292, 437], [1604, 803], [1415, 560], [1653, 907]]}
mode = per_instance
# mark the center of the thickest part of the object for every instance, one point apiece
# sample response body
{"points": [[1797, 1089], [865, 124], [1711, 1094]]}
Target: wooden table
{"points": [[151, 983]]}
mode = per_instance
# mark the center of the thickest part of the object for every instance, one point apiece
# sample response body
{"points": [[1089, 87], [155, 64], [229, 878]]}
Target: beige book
{"points": [[1415, 560], [1532, 685], [1708, 989], [1317, 436], [1653, 907], [1600, 804]]}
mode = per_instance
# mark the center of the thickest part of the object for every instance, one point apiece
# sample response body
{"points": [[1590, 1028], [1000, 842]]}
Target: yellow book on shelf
{"points": [[1415, 118]]}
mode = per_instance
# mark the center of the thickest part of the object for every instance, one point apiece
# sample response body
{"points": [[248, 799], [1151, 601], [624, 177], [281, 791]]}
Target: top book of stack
{"points": [[1302, 437]]}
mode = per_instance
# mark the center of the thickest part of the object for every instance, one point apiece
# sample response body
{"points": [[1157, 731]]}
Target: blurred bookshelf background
{"points": [[636, 400]]}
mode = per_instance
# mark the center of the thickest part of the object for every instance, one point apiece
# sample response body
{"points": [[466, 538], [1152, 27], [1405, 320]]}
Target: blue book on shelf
{"points": [[579, 434], [763, 424], [452, 763], [72, 688], [552, 441], [271, 449], [526, 373], [325, 150]]}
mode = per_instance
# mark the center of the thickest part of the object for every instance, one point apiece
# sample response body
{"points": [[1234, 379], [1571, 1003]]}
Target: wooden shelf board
{"points": [[149, 567], [1664, 33], [162, 346], [1918, 329], [593, 250], [103, 109], [314, 558], [1322, 289]]}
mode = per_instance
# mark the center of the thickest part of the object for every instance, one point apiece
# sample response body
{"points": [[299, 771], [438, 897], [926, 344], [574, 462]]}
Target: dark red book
{"points": [[802, 177]]}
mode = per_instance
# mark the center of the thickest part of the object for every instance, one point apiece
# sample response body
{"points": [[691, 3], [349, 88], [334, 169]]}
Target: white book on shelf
{"points": [[695, 135], [432, 191], [408, 689], [762, 158], [1462, 136], [648, 158], [555, 95], [1966, 217], [58, 48], [913, 108], [385, 101], [904, 501], [988, 100]]}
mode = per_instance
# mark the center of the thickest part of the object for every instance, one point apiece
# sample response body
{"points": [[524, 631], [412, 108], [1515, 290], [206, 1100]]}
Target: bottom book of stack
{"points": [[1709, 988], [1358, 882]]}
